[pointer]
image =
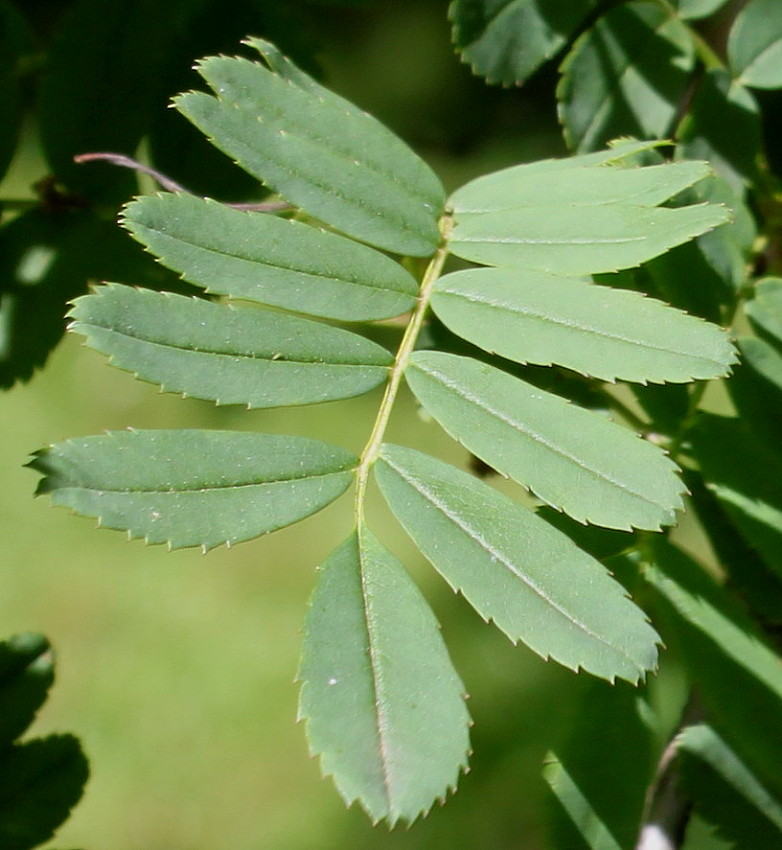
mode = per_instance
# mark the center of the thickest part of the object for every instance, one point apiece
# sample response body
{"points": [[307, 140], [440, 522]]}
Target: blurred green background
{"points": [[176, 669]]}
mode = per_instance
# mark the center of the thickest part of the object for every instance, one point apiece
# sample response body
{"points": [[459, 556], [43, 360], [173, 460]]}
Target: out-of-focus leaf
{"points": [[708, 131], [16, 41], [744, 473], [194, 488], [100, 88], [726, 792], [26, 674], [274, 261], [756, 387], [507, 40], [46, 259], [515, 569], [625, 76], [535, 317], [319, 152], [574, 459], [384, 706], [40, 782], [738, 677], [576, 184], [571, 240], [755, 45], [600, 774], [224, 354], [765, 309], [693, 9], [665, 405]]}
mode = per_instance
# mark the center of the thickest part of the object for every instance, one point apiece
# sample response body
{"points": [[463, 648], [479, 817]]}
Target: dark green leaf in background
{"points": [[755, 45], [625, 76], [576, 460], [320, 153], [515, 569], [40, 781], [507, 40], [16, 42], [384, 707], [535, 317], [756, 388], [765, 309], [26, 674], [194, 488], [229, 355], [271, 260], [693, 9], [599, 775], [726, 792]]}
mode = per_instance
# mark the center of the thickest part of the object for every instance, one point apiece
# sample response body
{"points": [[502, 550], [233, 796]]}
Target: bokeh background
{"points": [[176, 670]]}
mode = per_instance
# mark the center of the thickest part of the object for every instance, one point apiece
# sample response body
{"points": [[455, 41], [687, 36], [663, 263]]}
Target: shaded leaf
{"points": [[230, 355], [373, 656], [507, 40], [571, 240], [515, 569], [535, 317], [599, 775], [765, 309], [726, 792], [320, 153], [756, 387], [194, 488], [738, 677], [693, 9], [708, 132], [26, 674], [574, 459], [16, 41], [574, 183], [274, 261], [40, 782], [744, 475], [755, 45], [625, 76]]}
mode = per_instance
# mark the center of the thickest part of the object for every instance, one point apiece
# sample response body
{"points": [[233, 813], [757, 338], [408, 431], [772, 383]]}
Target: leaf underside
{"points": [[516, 569], [194, 488], [383, 705]]}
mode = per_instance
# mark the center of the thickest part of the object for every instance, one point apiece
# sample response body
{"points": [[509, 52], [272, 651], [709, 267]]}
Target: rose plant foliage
{"points": [[526, 313]]}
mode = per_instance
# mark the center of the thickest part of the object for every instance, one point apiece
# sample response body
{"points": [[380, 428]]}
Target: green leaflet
{"points": [[625, 76], [725, 791], [383, 704], [320, 153], [274, 261], [574, 184], [515, 569], [571, 240], [26, 674], [194, 488], [225, 354], [16, 41], [574, 459], [693, 9], [765, 309], [535, 317], [506, 40], [755, 45]]}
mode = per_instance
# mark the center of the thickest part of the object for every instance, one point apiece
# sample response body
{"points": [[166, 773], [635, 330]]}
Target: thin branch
{"points": [[171, 185]]}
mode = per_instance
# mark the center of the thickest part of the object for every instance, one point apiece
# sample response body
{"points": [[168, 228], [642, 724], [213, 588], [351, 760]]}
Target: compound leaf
{"points": [[755, 45], [506, 40], [574, 183], [574, 459], [515, 569], [535, 317], [274, 261], [320, 153], [383, 704], [625, 76], [225, 354], [726, 792], [191, 487], [40, 782], [571, 240]]}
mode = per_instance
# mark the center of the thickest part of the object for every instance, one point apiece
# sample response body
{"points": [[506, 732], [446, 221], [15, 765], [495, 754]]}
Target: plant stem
{"points": [[406, 347]]}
